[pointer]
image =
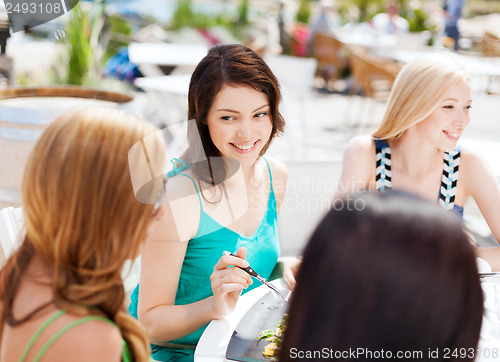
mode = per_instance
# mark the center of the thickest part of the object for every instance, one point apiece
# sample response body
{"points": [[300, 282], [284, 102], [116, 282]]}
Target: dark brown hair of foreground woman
{"points": [[82, 222], [386, 272]]}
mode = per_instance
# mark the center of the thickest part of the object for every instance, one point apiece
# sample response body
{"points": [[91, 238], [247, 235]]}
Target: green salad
{"points": [[274, 337]]}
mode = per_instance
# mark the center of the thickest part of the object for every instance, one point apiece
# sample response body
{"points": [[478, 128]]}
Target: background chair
{"points": [[374, 74], [490, 44], [332, 56], [12, 233], [295, 75]]}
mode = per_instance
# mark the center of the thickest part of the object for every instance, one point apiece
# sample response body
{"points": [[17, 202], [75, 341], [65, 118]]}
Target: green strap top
{"points": [[126, 356]]}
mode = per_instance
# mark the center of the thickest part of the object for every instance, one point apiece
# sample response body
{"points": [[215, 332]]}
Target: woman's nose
{"points": [[462, 119], [244, 130]]}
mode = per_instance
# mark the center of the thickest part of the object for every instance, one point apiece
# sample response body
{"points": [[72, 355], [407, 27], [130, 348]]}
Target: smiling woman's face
{"points": [[239, 123], [445, 124]]}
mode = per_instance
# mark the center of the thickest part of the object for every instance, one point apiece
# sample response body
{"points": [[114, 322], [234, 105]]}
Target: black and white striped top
{"points": [[449, 177]]}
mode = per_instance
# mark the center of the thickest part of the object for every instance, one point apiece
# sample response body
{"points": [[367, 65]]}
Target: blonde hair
{"points": [[419, 87], [82, 218]]}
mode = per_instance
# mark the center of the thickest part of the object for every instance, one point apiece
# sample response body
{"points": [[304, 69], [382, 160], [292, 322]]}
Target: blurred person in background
{"points": [[452, 13], [390, 22]]}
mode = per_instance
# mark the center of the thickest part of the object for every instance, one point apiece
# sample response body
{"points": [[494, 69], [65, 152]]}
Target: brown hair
{"points": [[226, 64], [82, 218], [399, 274]]}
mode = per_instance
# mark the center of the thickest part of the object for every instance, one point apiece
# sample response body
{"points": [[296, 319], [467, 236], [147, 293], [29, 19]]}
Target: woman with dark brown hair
{"points": [[385, 276], [61, 292], [223, 196]]}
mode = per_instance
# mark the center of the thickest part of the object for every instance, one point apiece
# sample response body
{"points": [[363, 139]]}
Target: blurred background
{"points": [[87, 46], [336, 61]]}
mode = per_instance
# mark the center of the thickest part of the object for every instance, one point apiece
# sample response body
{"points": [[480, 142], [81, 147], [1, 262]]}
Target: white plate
{"points": [[483, 266]]}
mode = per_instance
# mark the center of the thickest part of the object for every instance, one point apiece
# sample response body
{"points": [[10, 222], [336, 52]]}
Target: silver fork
{"points": [[256, 275]]}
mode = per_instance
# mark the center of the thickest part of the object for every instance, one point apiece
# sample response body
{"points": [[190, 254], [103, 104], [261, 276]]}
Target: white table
{"points": [[213, 343], [170, 54], [176, 84], [490, 329], [368, 40], [168, 95], [471, 65]]}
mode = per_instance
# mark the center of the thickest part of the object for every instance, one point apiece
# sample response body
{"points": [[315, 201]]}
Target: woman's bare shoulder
{"points": [[279, 170], [360, 150], [95, 340], [361, 143], [473, 166]]}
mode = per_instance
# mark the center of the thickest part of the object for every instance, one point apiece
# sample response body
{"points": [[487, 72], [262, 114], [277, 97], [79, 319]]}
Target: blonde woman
{"points": [[415, 146], [61, 293]]}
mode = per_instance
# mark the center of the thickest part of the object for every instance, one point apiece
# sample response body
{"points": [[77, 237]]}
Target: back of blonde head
{"points": [[82, 218], [419, 87]]}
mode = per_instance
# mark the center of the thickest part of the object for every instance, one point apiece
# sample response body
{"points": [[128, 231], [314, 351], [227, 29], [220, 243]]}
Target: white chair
{"points": [[167, 96], [295, 75], [309, 193], [11, 230], [12, 234]]}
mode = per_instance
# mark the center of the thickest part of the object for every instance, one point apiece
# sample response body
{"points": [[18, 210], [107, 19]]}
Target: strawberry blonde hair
{"points": [[82, 218]]}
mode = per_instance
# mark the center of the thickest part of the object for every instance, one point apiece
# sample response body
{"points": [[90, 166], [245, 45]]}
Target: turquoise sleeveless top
{"points": [[204, 251], [126, 356]]}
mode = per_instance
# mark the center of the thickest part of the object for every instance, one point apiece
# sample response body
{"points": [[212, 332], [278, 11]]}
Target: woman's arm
{"points": [[279, 171], [358, 165], [482, 185], [161, 264]]}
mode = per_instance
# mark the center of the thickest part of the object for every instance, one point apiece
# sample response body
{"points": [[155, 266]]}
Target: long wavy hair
{"points": [[418, 89], [225, 64], [82, 218]]}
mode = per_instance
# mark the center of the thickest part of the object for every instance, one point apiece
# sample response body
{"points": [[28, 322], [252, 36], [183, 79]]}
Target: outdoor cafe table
{"points": [[167, 54], [474, 66], [368, 40], [169, 95], [214, 341], [176, 83]]}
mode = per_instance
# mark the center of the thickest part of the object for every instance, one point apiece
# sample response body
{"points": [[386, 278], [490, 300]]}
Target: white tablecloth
{"points": [[176, 84], [213, 343], [474, 66], [166, 53]]}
